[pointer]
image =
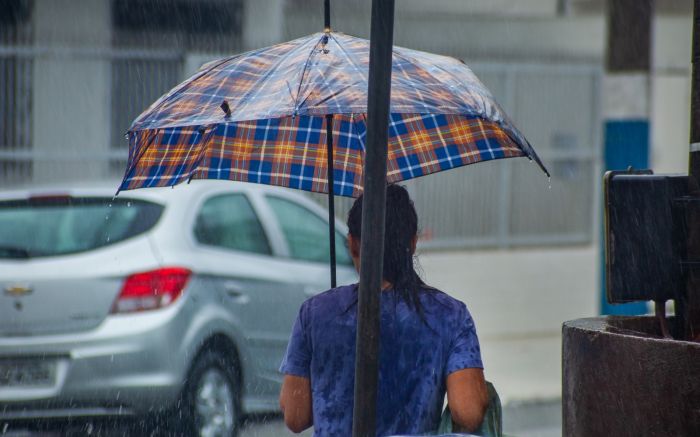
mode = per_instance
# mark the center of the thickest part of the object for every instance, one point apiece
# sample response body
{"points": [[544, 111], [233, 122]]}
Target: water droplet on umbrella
{"points": [[549, 181], [128, 204]]}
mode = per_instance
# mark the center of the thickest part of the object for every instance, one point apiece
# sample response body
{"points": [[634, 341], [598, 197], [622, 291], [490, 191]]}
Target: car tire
{"points": [[210, 402]]}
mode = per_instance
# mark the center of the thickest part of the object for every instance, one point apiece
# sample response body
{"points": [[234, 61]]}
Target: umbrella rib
{"points": [[152, 136], [157, 105], [354, 64], [438, 81], [519, 139], [327, 98], [303, 73], [260, 85], [206, 137]]}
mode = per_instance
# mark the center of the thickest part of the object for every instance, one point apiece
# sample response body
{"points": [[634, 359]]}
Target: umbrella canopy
{"points": [[263, 117]]}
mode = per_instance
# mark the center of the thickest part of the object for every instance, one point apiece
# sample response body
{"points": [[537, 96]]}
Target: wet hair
{"points": [[401, 226]]}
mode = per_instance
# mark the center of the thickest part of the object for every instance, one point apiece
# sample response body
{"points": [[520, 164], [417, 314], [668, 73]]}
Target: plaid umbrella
{"points": [[279, 115], [261, 117]]}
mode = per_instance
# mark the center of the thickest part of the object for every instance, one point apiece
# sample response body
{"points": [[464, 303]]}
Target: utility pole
{"points": [[626, 101], [689, 310], [372, 249]]}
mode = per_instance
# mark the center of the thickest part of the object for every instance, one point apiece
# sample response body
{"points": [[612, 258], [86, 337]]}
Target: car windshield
{"points": [[51, 226]]}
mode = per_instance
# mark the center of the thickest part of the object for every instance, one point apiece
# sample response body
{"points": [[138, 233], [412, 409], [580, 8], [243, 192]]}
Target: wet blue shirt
{"points": [[415, 358]]}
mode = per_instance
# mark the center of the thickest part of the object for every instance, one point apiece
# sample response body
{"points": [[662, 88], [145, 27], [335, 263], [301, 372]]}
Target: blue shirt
{"points": [[414, 358]]}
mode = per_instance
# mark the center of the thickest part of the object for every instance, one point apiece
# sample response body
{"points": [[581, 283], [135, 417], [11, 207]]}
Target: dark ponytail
{"points": [[401, 227]]}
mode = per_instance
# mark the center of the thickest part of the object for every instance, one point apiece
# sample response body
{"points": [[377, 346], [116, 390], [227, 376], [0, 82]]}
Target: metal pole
{"points": [[689, 304], [694, 169], [331, 195], [372, 248]]}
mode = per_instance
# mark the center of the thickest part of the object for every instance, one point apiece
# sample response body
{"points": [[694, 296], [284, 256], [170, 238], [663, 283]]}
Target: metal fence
{"points": [[15, 93]]}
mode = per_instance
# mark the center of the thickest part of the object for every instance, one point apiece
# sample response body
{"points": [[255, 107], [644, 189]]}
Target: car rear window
{"points": [[51, 226]]}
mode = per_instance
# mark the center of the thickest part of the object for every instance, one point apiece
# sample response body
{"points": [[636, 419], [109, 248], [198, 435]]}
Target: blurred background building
{"points": [[522, 251]]}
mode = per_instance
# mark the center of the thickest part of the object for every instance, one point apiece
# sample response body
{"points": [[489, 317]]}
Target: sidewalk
{"points": [[520, 419]]}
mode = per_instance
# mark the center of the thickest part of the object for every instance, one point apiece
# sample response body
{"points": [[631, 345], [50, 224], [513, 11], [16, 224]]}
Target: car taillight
{"points": [[151, 290]]}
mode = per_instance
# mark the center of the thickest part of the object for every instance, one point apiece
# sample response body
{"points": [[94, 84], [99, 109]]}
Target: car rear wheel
{"points": [[211, 398]]}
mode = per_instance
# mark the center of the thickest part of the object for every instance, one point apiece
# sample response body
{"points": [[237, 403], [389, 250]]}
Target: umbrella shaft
{"points": [[331, 196], [327, 14]]}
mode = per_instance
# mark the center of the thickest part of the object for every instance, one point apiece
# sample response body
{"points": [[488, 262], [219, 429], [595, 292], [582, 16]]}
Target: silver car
{"points": [[165, 300]]}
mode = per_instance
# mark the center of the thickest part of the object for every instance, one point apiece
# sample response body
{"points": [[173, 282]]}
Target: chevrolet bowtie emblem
{"points": [[17, 290]]}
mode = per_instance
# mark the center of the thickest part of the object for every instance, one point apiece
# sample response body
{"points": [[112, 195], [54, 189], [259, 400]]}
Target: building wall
{"points": [[519, 299], [670, 101], [71, 89]]}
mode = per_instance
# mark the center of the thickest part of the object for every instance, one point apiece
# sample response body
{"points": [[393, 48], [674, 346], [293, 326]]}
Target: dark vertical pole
{"points": [[689, 304], [329, 143], [372, 249], [629, 35], [695, 97], [331, 195]]}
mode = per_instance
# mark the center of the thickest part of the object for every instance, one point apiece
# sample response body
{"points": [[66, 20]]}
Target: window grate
{"points": [[195, 25], [15, 92], [136, 84]]}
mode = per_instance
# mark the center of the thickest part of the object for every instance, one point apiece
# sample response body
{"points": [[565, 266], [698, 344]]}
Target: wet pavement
{"points": [[537, 418]]}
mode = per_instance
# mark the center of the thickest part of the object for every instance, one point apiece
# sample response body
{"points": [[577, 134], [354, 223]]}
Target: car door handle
{"points": [[234, 291]]}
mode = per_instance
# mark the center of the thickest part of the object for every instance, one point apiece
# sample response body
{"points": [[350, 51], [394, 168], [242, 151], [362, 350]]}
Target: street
{"points": [[253, 427], [530, 419]]}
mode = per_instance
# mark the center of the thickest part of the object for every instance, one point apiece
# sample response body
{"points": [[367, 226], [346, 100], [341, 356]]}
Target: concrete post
{"points": [[626, 96], [622, 379], [71, 83]]}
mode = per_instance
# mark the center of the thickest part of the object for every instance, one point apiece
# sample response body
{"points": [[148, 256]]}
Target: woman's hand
{"points": [[467, 397], [295, 402]]}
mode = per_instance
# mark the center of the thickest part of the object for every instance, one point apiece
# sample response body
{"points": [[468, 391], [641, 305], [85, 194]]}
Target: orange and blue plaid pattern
{"points": [[272, 128]]}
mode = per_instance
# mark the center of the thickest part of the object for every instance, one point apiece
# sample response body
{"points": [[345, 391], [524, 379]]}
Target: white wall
{"points": [[519, 299], [671, 94]]}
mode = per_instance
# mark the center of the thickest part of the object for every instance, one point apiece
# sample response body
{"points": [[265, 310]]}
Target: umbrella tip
{"points": [[226, 108]]}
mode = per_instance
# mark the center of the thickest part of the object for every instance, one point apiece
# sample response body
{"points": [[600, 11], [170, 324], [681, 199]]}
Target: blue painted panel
{"points": [[626, 144]]}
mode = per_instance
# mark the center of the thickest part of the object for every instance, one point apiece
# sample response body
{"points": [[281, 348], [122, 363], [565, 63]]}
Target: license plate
{"points": [[27, 373]]}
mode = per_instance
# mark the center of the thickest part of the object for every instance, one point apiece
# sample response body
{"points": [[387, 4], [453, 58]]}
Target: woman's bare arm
{"points": [[467, 397], [295, 402]]}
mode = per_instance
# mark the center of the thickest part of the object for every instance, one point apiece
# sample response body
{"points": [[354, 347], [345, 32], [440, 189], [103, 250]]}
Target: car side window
{"points": [[229, 221], [307, 233]]}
